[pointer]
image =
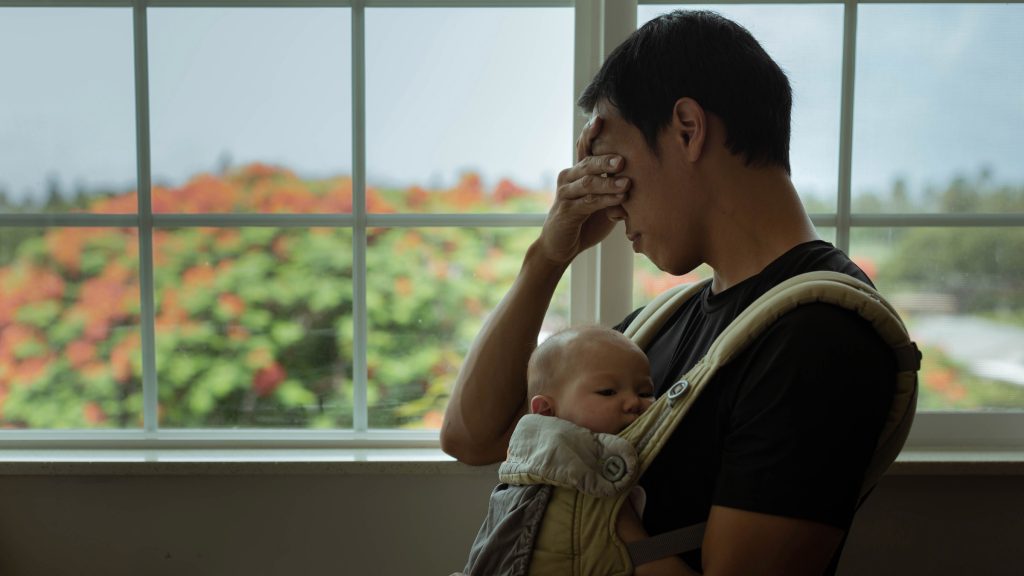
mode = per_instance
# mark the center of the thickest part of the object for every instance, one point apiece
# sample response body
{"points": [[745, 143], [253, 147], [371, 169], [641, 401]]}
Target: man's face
{"points": [[609, 385], [658, 211]]}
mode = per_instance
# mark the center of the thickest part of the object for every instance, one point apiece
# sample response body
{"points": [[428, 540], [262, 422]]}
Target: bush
{"points": [[254, 326]]}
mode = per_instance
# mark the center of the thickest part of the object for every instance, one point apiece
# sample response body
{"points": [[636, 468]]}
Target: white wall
{"points": [[415, 525]]}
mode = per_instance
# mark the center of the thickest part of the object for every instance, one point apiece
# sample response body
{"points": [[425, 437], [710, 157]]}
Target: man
{"points": [[688, 144]]}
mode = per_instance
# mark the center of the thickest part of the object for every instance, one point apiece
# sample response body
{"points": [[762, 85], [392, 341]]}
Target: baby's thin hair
{"points": [[542, 371]]}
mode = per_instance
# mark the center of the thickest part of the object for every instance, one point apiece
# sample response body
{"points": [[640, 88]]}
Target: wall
{"points": [[417, 524]]}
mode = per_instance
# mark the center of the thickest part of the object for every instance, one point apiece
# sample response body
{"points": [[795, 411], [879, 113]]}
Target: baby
{"points": [[595, 378], [591, 376]]}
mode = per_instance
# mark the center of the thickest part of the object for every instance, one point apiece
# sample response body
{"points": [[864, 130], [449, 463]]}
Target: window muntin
{"points": [[231, 88], [941, 87], [460, 102], [67, 108]]}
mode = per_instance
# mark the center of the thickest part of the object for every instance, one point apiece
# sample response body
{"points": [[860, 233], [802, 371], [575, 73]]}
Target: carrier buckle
{"points": [[677, 391], [614, 468]]}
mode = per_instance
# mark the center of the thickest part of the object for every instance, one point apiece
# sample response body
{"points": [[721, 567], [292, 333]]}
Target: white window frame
{"points": [[601, 279]]}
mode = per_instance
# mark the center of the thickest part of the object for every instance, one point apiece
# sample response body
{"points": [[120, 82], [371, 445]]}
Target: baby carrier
{"points": [[562, 486]]}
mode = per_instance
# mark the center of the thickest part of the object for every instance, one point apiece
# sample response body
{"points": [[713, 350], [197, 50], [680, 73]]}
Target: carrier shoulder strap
{"points": [[645, 326], [650, 433]]}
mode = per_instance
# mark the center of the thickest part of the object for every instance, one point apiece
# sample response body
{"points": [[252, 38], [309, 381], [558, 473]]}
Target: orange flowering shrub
{"points": [[69, 307], [253, 325]]}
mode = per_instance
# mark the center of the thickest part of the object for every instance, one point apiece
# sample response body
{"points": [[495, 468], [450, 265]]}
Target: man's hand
{"points": [[577, 219]]}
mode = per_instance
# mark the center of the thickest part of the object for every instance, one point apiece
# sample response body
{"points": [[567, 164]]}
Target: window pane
{"points": [[813, 62], [471, 103], [939, 122], [428, 292], [67, 109], [69, 328], [254, 327], [961, 292], [237, 91]]}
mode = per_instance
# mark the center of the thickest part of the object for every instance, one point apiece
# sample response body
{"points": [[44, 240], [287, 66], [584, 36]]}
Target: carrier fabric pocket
{"points": [[504, 546]]}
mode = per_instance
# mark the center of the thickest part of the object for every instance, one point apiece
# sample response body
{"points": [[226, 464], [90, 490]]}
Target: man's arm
{"points": [[748, 543], [742, 543], [489, 395]]}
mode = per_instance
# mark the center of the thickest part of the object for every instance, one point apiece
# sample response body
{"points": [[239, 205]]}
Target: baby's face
{"points": [[608, 386]]}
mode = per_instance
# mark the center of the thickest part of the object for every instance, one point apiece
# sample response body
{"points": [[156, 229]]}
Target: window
{"points": [[328, 201], [286, 221], [943, 228], [928, 202]]}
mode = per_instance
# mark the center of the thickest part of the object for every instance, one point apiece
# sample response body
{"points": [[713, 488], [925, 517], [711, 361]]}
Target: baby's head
{"points": [[592, 376]]}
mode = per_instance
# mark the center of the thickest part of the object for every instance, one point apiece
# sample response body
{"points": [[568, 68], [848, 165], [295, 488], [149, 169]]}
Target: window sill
{"points": [[165, 462], [368, 461], [959, 462]]}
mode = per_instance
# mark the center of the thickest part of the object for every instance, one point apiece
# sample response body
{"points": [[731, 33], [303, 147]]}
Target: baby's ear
{"points": [[542, 405]]}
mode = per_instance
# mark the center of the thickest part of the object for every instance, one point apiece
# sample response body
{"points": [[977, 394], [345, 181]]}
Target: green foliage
{"points": [[978, 271], [254, 326], [982, 268]]}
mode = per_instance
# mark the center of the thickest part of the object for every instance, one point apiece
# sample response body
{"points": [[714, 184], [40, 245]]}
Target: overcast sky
{"points": [[939, 91]]}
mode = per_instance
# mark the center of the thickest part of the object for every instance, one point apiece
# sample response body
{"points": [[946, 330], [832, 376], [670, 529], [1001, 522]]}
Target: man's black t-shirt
{"points": [[788, 426]]}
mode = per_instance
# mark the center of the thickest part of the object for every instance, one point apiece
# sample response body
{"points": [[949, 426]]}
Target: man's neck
{"points": [[755, 217]]}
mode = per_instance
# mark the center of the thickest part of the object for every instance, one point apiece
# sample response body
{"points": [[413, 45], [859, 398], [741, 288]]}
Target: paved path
{"points": [[989, 349]]}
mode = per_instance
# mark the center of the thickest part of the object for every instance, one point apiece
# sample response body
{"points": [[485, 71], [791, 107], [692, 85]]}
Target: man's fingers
{"points": [[581, 202], [591, 166], [593, 185], [603, 200], [594, 202]]}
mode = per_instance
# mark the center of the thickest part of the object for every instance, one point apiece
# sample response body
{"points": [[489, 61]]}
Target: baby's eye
{"points": [[606, 392], [647, 394]]}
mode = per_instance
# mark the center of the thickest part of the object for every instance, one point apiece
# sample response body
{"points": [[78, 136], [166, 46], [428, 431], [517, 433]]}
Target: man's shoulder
{"points": [[819, 342], [814, 321]]}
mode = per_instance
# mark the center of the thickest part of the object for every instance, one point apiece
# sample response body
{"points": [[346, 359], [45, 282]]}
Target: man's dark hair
{"points": [[704, 56]]}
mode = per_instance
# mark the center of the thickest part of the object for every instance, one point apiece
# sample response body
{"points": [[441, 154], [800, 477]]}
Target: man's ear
{"points": [[689, 126], [542, 405]]}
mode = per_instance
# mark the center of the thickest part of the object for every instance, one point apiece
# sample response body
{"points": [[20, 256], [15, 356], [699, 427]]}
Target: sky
{"points": [[939, 92]]}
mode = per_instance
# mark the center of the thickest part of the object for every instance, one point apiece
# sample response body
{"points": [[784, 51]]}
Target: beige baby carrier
{"points": [[578, 480]]}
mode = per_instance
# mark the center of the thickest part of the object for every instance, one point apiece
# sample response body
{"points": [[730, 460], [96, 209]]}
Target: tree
{"points": [[253, 325]]}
